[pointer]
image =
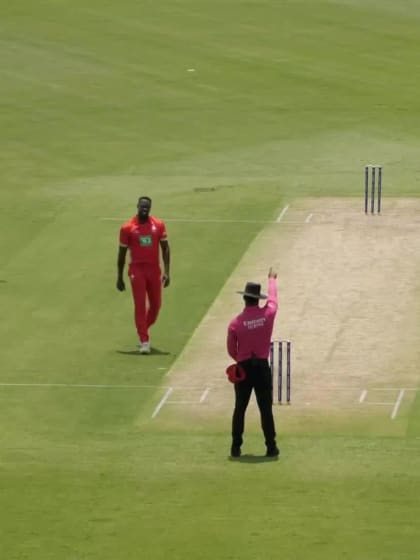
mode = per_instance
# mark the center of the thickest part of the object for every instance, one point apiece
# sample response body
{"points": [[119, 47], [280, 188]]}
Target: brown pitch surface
{"points": [[349, 288]]}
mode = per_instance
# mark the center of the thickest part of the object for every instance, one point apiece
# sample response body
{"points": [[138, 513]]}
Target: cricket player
{"points": [[144, 235]]}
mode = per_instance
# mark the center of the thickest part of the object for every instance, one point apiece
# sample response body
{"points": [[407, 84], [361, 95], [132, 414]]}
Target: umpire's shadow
{"points": [[153, 352], [248, 458]]}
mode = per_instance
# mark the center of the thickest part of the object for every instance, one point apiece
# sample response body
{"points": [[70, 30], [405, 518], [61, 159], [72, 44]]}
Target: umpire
{"points": [[248, 343]]}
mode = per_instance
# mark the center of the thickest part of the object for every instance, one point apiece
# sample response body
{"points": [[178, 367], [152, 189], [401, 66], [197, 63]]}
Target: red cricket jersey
{"points": [[143, 239]]}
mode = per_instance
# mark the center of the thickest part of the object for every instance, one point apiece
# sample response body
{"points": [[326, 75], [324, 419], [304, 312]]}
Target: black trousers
{"points": [[258, 377]]}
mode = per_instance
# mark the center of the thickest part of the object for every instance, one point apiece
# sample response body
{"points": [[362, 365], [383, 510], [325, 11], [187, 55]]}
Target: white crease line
{"points": [[379, 403], [226, 221], [162, 402], [397, 404], [199, 221], [282, 214], [349, 388], [363, 396], [181, 402], [396, 389], [77, 386], [186, 221], [187, 387], [308, 218], [204, 395], [213, 221], [204, 221]]}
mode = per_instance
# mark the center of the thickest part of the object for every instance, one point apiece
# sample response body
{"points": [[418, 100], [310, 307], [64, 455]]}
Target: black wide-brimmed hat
{"points": [[253, 290]]}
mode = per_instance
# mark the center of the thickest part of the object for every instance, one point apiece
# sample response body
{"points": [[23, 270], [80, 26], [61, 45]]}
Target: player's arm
{"points": [[166, 257], [122, 252], [272, 303]]}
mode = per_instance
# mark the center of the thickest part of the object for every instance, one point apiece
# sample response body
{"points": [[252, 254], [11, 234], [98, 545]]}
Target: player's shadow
{"points": [[249, 458], [153, 352]]}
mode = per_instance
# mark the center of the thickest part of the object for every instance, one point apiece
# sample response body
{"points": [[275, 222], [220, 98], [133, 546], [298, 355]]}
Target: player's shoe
{"points": [[144, 347], [272, 451], [235, 451]]}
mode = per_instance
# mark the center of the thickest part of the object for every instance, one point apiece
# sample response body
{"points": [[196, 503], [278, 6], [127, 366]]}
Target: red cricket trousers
{"points": [[146, 285]]}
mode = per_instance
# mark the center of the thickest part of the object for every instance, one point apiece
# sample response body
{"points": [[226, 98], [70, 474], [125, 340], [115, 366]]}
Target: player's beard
{"points": [[143, 216]]}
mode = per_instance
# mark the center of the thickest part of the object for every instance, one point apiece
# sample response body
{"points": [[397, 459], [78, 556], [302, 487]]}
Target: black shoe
{"points": [[273, 451], [235, 451]]}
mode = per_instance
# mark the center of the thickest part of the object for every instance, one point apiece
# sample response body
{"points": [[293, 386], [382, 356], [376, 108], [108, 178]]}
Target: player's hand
{"points": [[120, 285], [271, 273], [165, 280]]}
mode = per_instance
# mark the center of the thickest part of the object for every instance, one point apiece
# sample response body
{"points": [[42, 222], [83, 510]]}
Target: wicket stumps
{"points": [[276, 365], [370, 173]]}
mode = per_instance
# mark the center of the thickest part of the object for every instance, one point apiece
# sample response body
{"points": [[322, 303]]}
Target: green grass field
{"points": [[98, 106]]}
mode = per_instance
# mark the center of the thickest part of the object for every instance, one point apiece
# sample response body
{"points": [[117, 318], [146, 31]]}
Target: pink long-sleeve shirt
{"points": [[249, 334]]}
